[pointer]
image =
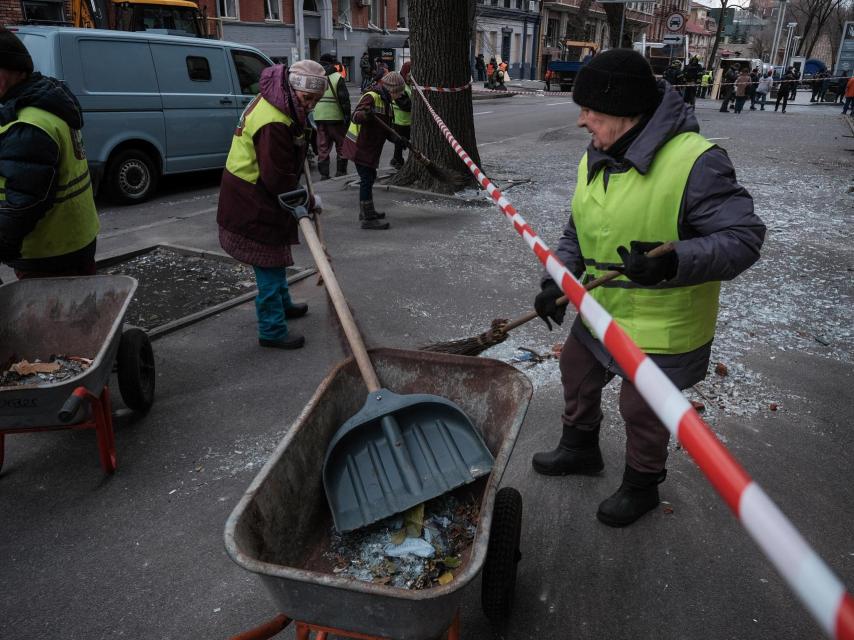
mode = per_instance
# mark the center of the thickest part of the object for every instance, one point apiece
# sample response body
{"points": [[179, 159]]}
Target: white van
{"points": [[152, 104]]}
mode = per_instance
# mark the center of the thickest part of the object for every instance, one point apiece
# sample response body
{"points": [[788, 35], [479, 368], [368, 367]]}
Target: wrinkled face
{"points": [[308, 101], [604, 129], [396, 93]]}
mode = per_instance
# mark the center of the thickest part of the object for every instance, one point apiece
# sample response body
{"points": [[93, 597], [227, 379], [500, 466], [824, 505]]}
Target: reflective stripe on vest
{"points": [[403, 117], [380, 108], [645, 208], [328, 108], [72, 222], [242, 161]]}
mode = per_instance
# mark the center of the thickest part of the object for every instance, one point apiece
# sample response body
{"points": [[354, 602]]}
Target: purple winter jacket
{"points": [[251, 211], [720, 235]]}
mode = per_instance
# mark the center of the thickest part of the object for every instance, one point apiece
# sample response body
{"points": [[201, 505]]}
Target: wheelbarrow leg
{"points": [[266, 630], [104, 427], [454, 629]]}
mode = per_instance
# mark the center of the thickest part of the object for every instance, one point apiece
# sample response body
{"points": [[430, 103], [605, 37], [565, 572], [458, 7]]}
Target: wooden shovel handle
{"points": [[660, 250], [354, 338]]}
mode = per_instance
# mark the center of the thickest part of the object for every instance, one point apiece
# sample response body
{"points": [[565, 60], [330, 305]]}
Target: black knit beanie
{"points": [[618, 82], [13, 54]]}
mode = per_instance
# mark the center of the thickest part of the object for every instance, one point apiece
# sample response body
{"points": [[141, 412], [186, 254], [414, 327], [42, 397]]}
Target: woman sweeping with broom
{"points": [[365, 139]]}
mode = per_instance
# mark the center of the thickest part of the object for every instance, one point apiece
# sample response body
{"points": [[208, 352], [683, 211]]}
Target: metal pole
{"points": [[777, 32], [622, 22]]}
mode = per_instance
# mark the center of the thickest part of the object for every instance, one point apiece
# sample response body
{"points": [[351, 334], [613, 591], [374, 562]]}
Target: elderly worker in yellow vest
{"points": [[48, 220], [648, 177], [332, 115], [266, 158]]}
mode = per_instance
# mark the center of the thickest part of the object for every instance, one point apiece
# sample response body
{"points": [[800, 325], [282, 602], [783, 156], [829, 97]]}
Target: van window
{"points": [[249, 67], [187, 68], [117, 66], [198, 68]]}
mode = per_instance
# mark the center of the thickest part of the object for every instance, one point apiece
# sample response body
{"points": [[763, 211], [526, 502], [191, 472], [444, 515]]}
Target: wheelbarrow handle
{"points": [[351, 331], [72, 405]]}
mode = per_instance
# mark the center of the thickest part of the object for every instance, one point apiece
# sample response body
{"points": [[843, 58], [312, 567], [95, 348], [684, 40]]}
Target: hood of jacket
{"points": [[670, 118], [44, 93], [276, 90]]}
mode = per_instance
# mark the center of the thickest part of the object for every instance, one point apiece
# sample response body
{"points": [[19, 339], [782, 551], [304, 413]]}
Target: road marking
{"points": [[482, 113], [553, 104], [718, 138], [159, 223]]}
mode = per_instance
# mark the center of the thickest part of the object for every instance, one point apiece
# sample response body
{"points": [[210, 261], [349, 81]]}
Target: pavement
{"points": [[140, 554]]}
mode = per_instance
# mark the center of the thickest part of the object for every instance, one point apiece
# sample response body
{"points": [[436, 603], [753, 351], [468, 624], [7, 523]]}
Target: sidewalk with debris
{"points": [[140, 554]]}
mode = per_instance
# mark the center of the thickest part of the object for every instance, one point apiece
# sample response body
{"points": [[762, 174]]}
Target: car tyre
{"points": [[131, 176]]}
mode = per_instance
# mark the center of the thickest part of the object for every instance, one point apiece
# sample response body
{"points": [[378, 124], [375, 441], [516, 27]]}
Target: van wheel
{"points": [[131, 176]]}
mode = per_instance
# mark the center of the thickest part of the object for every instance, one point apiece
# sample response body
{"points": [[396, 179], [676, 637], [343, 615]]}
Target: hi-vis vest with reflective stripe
{"points": [[401, 116], [646, 208], [328, 108], [379, 108], [242, 161], [72, 222]]}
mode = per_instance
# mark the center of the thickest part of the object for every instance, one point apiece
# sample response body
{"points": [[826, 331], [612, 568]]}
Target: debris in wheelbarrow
{"points": [[56, 369], [397, 451], [384, 553]]}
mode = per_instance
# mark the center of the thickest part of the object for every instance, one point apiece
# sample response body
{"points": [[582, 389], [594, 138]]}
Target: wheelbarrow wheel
{"points": [[502, 555], [135, 369]]}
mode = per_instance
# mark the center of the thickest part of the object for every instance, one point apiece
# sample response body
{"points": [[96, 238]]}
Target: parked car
{"points": [[152, 104]]}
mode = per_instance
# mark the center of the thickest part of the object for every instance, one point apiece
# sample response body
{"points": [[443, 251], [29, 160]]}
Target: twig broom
{"points": [[499, 329]]}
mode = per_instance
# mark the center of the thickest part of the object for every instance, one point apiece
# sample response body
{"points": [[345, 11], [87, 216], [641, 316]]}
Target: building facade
{"points": [[701, 32], [508, 30], [291, 30], [557, 27]]}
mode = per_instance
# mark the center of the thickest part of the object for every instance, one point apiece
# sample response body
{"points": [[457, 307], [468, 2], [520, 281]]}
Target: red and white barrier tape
{"points": [[538, 92], [809, 577], [441, 89]]}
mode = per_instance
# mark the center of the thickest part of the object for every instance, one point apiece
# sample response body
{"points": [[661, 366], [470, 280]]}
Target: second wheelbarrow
{"points": [[397, 451]]}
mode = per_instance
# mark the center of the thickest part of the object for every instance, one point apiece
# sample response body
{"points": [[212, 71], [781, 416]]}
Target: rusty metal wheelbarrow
{"points": [[282, 524], [79, 316]]}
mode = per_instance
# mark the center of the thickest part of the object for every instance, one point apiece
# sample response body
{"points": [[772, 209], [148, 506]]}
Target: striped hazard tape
{"points": [[441, 89], [807, 574]]}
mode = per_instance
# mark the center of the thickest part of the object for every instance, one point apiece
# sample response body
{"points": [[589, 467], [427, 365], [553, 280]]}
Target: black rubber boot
{"points": [[636, 496], [576, 453], [340, 167], [323, 167], [369, 219], [379, 215], [296, 310], [291, 341]]}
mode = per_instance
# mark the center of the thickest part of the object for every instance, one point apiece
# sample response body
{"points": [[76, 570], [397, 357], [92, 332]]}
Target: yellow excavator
{"points": [[176, 17]]}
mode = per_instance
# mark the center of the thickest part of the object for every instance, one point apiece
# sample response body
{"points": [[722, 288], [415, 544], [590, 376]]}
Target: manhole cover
{"points": [[176, 283]]}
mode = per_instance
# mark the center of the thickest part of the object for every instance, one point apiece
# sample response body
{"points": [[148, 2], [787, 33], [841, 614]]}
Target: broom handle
{"points": [[354, 338], [412, 149], [660, 250]]}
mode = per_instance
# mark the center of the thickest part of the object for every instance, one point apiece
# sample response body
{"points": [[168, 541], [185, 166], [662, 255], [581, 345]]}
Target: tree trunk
{"points": [[717, 39], [577, 21], [614, 14], [442, 30]]}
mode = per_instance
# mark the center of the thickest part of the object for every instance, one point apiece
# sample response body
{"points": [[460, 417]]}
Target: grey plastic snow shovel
{"points": [[398, 450]]}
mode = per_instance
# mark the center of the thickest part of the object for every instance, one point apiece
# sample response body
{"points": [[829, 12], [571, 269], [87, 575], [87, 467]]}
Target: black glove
{"points": [[9, 250], [546, 304], [403, 142], [640, 268]]}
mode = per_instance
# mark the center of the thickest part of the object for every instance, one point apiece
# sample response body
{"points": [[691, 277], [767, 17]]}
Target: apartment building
{"points": [[508, 30]]}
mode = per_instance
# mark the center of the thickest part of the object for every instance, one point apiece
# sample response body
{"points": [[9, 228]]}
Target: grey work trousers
{"points": [[583, 378]]}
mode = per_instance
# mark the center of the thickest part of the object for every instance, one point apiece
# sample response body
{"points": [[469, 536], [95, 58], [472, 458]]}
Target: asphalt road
{"points": [[140, 555]]}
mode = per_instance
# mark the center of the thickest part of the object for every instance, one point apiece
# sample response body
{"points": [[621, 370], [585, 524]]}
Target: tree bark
{"points": [[717, 39], [441, 31], [614, 14]]}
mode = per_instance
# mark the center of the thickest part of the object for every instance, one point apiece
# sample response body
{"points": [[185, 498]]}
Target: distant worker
{"points": [[849, 96], [367, 70], [365, 141], [480, 67], [266, 158], [402, 117], [48, 220], [705, 81], [332, 116]]}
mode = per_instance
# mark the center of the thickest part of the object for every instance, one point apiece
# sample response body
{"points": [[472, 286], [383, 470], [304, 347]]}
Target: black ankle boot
{"points": [[576, 453], [371, 211], [369, 218], [637, 495], [340, 167], [296, 310], [323, 167]]}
